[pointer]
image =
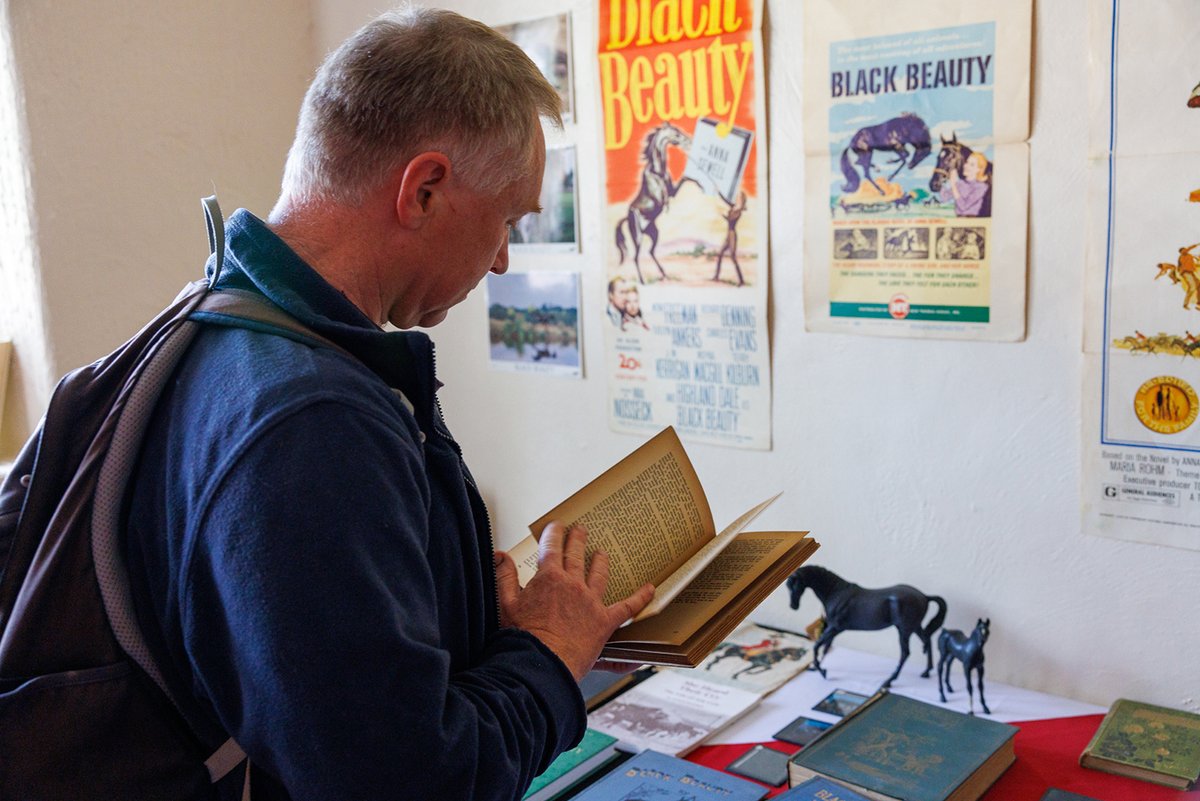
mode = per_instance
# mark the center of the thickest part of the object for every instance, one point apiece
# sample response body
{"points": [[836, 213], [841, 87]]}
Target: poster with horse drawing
{"points": [[685, 219], [1141, 430], [915, 140]]}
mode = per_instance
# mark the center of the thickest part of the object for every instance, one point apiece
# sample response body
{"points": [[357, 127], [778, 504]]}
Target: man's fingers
{"points": [[597, 577], [631, 606], [575, 550], [550, 544]]}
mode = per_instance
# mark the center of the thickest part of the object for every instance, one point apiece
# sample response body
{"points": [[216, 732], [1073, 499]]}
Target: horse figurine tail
{"points": [[852, 179], [938, 618]]}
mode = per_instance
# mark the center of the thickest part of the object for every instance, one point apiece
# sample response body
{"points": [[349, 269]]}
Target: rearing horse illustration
{"points": [[896, 135], [656, 191], [851, 607]]}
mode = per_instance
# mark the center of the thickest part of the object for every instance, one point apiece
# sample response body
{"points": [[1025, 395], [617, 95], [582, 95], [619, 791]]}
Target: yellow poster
{"points": [[685, 198]]}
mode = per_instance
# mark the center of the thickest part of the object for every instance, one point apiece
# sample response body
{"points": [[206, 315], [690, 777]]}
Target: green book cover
{"points": [[905, 749], [1153, 738], [593, 742]]}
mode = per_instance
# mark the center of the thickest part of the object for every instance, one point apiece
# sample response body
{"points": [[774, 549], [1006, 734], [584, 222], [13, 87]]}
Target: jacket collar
{"points": [[258, 260]]}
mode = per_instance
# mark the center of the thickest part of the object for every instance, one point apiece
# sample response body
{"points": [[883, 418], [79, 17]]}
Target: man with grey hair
{"points": [[308, 552]]}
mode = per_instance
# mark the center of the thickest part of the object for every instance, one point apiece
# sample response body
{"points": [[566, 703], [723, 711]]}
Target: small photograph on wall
{"points": [[547, 41], [556, 229], [533, 323]]}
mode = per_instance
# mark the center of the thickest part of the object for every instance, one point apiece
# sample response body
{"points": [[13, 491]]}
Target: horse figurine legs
{"points": [[824, 641], [953, 644], [904, 637]]}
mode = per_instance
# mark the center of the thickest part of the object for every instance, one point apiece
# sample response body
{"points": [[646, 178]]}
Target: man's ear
{"points": [[422, 183]]}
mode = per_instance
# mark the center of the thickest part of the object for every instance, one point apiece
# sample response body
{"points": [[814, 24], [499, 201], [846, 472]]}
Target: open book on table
{"points": [[650, 514]]}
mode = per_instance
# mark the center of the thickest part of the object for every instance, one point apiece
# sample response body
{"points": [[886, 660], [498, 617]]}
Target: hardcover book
{"points": [[651, 776], [595, 751], [598, 686], [671, 712], [819, 789], [1151, 743], [894, 748], [651, 516]]}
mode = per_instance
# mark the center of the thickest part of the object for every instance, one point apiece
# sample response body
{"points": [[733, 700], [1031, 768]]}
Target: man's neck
{"points": [[332, 241]]}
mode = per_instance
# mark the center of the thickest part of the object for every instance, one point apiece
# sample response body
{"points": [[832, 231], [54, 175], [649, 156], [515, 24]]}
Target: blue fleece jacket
{"points": [[313, 563]]}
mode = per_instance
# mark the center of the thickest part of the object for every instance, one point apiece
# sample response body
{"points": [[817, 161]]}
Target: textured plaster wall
{"points": [[129, 111], [20, 287], [951, 466]]}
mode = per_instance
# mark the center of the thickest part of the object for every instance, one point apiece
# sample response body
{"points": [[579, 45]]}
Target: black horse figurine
{"points": [[656, 190], [953, 644], [896, 135], [851, 607]]}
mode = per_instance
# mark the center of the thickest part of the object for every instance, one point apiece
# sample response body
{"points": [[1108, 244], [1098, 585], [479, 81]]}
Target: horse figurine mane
{"points": [[849, 607]]}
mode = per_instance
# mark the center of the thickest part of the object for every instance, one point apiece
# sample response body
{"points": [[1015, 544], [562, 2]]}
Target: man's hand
{"points": [[563, 603]]}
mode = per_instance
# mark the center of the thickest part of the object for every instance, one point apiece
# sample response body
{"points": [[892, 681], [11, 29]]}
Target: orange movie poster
{"points": [[686, 270]]}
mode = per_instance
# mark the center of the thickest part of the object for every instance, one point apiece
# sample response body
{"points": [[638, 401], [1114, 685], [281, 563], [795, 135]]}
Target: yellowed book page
{"points": [[675, 583], [525, 554], [751, 554], [648, 512]]}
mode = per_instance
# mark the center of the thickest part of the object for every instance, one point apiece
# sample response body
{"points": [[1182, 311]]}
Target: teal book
{"points": [[1152, 743], [651, 776], [594, 744], [894, 748]]}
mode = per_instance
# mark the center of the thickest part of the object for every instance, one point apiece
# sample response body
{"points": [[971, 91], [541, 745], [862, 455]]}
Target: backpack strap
{"points": [[231, 307], [216, 235]]}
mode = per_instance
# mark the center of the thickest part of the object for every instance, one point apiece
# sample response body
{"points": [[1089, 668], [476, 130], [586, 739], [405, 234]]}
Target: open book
{"points": [[650, 514]]}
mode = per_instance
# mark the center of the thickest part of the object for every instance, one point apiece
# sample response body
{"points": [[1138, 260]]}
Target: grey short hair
{"points": [[411, 80]]}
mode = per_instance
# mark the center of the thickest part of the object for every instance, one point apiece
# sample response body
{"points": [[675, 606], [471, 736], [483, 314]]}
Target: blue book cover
{"points": [[651, 776], [901, 748], [819, 789]]}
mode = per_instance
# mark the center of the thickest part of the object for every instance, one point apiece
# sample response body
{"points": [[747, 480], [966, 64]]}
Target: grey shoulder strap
{"points": [[216, 235]]}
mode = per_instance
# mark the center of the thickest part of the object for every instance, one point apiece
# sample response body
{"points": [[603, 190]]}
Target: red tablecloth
{"points": [[1047, 756]]}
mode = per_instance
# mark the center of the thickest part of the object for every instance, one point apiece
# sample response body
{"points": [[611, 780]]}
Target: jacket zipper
{"points": [[439, 428]]}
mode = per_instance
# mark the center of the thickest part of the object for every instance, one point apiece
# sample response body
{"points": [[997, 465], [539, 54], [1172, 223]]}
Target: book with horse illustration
{"points": [[651, 516], [894, 748]]}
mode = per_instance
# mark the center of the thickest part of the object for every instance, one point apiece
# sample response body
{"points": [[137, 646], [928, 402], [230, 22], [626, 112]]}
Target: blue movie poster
{"points": [[910, 194]]}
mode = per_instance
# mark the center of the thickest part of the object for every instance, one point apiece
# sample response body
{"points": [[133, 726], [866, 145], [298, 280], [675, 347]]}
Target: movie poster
{"points": [[686, 244], [1141, 441], [916, 168]]}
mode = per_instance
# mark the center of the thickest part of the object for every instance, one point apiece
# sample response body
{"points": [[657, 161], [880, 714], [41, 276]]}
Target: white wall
{"points": [[130, 111], [954, 467], [950, 466]]}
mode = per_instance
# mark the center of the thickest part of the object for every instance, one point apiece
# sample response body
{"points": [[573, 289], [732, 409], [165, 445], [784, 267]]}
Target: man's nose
{"points": [[501, 264]]}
